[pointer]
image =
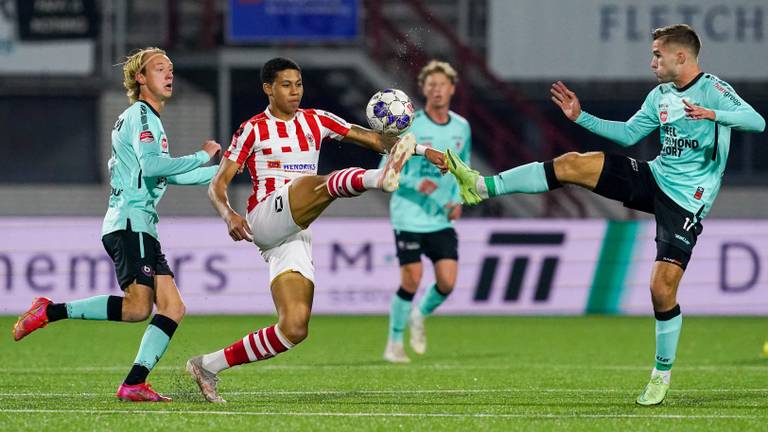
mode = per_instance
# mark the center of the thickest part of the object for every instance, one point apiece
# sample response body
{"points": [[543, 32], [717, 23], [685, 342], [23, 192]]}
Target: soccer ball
{"points": [[390, 111]]}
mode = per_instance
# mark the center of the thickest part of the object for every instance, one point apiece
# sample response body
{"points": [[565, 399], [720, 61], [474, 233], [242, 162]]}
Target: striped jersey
{"points": [[276, 151]]}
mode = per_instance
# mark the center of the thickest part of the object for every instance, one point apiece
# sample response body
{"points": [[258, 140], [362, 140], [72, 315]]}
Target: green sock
{"points": [[103, 307], [529, 178], [431, 300], [667, 336], [155, 341], [398, 314]]}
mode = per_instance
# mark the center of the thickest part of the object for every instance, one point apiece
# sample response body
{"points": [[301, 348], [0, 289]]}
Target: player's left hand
{"points": [[438, 159], [696, 112], [454, 211]]}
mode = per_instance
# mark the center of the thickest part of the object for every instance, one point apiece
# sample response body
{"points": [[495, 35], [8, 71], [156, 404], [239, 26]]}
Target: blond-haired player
{"points": [[140, 170], [422, 211]]}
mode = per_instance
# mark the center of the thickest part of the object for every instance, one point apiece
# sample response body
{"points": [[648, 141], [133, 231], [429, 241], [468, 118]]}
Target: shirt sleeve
{"points": [[626, 133], [732, 111], [198, 176], [332, 125], [242, 142], [148, 149]]}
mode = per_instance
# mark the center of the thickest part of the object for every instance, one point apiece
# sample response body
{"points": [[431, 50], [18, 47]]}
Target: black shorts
{"points": [[631, 182], [436, 245], [137, 257]]}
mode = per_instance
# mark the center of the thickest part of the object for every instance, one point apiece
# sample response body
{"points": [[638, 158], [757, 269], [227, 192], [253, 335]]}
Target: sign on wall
{"points": [[47, 37], [587, 39], [280, 20], [505, 266]]}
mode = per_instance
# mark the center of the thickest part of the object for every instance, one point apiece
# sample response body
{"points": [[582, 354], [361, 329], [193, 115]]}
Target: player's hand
{"points": [[211, 147], [427, 186], [437, 159], [238, 227], [567, 100], [696, 112], [454, 211]]}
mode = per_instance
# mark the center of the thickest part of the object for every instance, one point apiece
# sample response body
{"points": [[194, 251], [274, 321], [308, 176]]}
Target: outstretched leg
{"points": [[582, 169], [311, 195]]}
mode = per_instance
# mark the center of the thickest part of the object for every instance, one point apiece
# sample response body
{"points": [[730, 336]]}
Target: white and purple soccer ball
{"points": [[390, 111]]}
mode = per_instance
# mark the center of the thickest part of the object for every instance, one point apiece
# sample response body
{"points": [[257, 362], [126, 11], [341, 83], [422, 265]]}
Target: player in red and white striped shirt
{"points": [[280, 148]]}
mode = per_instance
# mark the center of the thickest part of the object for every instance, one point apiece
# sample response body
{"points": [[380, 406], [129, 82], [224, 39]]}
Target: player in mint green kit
{"points": [[140, 170], [695, 112], [423, 210]]}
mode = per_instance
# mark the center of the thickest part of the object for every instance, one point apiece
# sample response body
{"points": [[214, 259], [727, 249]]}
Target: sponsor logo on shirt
{"points": [[672, 145], [164, 143], [299, 167], [146, 136], [727, 93], [273, 164]]}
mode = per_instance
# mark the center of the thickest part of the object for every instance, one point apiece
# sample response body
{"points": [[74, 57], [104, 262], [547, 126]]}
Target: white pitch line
{"points": [[400, 368], [404, 391], [388, 414]]}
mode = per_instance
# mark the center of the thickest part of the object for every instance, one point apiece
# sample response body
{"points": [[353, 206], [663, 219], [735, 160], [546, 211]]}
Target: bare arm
{"points": [[371, 140], [382, 143], [217, 192]]}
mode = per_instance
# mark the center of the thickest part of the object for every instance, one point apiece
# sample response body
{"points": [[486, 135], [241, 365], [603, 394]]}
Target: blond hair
{"points": [[436, 66], [135, 63]]}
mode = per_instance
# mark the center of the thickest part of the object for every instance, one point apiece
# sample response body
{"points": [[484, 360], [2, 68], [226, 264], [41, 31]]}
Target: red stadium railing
{"points": [[502, 142]]}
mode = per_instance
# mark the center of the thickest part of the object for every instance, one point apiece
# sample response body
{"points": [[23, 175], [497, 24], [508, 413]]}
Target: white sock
{"points": [[215, 362], [665, 375], [371, 178], [482, 189]]}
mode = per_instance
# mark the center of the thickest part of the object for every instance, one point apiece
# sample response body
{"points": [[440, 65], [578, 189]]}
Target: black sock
{"points": [[667, 315], [56, 311], [552, 181], [137, 375], [405, 295], [115, 308]]}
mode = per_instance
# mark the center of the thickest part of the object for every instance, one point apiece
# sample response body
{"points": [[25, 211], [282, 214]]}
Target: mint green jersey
{"points": [[414, 211], [141, 168], [693, 154]]}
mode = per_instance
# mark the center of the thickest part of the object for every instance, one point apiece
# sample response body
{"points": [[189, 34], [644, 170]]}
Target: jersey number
{"points": [[278, 204], [688, 224]]}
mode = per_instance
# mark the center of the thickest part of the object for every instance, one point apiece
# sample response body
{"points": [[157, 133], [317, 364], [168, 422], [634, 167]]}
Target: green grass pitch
{"points": [[479, 373]]}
